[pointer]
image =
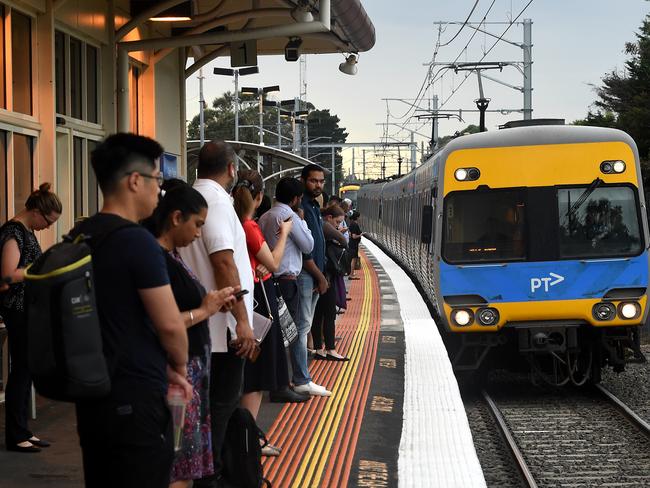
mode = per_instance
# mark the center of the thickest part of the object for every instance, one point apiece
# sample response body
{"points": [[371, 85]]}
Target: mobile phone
{"points": [[240, 294]]}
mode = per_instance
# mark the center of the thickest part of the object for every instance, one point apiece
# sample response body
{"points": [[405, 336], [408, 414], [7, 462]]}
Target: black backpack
{"points": [[338, 258], [242, 453], [64, 348]]}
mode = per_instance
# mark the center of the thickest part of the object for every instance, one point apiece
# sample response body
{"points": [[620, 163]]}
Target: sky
{"points": [[575, 43]]}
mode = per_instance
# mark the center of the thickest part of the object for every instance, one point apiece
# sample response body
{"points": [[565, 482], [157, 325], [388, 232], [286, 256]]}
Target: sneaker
{"points": [[313, 389]]}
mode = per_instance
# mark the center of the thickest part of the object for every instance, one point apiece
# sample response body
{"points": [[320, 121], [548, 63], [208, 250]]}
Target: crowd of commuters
{"points": [[178, 298]]}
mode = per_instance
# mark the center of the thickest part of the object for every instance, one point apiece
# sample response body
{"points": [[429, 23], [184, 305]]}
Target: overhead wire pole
{"points": [[201, 109]]}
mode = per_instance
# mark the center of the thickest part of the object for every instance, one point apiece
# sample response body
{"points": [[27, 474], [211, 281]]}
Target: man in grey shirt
{"points": [[288, 195]]}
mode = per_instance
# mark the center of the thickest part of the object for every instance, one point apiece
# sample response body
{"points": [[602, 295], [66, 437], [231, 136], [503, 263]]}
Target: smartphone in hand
{"points": [[240, 294]]}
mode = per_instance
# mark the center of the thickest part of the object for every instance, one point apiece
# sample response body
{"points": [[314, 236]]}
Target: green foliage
{"points": [[624, 97], [470, 129], [220, 124]]}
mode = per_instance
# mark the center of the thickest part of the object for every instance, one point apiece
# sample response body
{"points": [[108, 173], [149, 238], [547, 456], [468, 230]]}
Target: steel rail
{"points": [[634, 418], [510, 440]]}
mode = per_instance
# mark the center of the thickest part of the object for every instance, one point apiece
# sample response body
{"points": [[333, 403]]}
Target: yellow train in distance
{"points": [[351, 192]]}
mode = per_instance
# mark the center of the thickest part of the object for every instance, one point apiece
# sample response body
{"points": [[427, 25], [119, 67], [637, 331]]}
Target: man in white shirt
{"points": [[220, 258]]}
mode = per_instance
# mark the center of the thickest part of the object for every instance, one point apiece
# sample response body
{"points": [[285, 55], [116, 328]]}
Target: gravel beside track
{"points": [[498, 466], [632, 386], [575, 438]]}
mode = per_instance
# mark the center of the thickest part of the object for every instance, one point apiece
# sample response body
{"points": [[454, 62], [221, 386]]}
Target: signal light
{"points": [[462, 316], [629, 310], [488, 316], [609, 167], [604, 311], [467, 174]]}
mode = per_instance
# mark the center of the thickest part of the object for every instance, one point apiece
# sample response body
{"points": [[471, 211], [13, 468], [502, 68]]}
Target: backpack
{"points": [[338, 258], [64, 348], [242, 453]]}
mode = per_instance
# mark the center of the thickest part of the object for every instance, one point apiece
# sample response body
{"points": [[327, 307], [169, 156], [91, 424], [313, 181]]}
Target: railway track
{"points": [[573, 438]]}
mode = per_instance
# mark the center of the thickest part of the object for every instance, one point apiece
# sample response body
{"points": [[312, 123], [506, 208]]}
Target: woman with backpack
{"points": [[18, 249], [176, 222], [324, 322]]}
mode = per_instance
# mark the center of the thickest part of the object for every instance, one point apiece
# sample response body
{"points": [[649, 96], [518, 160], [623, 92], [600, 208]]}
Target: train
{"points": [[530, 244], [350, 191]]}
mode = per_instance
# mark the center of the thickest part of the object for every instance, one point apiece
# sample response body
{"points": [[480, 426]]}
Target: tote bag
{"points": [[287, 325]]}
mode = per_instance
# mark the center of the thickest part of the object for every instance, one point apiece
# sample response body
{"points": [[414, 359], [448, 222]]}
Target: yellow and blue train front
{"points": [[593, 292]]}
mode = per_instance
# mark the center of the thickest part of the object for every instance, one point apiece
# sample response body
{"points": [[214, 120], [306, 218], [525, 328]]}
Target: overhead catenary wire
{"points": [[511, 23], [462, 26]]}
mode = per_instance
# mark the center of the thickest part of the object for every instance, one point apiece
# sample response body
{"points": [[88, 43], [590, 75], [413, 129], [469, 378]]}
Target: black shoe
{"points": [[288, 396], [17, 448], [39, 442]]}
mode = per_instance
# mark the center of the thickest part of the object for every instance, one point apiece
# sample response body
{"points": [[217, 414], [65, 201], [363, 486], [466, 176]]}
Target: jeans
{"points": [[19, 381], [126, 443], [306, 306], [226, 384]]}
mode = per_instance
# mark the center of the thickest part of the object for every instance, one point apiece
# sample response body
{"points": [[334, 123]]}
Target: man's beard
{"points": [[231, 186]]}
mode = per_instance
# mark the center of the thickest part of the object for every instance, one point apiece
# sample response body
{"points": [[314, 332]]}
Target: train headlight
{"points": [[488, 316], [467, 174], [609, 167], [629, 310], [462, 317], [604, 311]]}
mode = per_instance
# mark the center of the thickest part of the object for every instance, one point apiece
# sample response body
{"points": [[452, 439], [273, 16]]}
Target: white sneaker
{"points": [[313, 389]]}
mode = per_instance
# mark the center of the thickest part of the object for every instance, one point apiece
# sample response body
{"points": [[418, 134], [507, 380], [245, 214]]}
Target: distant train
{"points": [[531, 245], [351, 192]]}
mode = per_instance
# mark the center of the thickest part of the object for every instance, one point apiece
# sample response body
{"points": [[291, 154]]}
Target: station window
{"points": [[77, 78], [21, 65], [4, 214], [23, 169]]}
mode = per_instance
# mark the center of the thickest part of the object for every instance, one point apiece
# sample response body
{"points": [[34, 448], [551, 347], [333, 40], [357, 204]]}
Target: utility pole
{"points": [[236, 73], [201, 109], [528, 69], [353, 175], [434, 125], [363, 165], [333, 170]]}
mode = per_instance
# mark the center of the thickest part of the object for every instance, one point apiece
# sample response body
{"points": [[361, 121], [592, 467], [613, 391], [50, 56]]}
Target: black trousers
{"points": [[126, 443], [19, 381], [289, 291], [325, 319], [226, 384]]}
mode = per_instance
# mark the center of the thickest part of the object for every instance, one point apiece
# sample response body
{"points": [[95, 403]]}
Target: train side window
{"points": [[427, 224]]}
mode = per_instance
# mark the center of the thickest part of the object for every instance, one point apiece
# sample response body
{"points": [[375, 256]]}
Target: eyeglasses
{"points": [[159, 177], [46, 218], [315, 181]]}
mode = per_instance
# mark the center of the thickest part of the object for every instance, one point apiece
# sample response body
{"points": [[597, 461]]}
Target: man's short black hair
{"points": [[287, 189], [214, 158], [310, 168], [334, 198], [120, 153]]}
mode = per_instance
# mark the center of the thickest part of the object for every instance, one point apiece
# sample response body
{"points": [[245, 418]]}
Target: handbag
{"points": [[261, 323], [338, 258], [287, 325]]}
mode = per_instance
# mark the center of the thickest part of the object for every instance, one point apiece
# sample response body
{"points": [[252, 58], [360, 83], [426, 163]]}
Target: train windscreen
{"points": [[485, 226], [602, 222], [542, 224]]}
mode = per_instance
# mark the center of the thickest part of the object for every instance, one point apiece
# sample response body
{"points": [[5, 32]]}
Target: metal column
{"points": [[236, 105], [353, 173], [259, 155], [414, 150], [201, 106], [363, 165], [528, 69], [333, 170]]}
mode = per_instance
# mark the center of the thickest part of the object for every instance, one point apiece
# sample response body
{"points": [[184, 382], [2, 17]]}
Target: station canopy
{"points": [[212, 28]]}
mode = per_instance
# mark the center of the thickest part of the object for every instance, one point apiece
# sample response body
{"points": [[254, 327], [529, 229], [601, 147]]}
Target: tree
{"points": [[470, 129], [325, 127], [624, 97], [220, 124]]}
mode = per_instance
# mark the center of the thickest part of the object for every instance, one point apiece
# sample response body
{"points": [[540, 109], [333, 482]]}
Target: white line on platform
{"points": [[436, 448]]}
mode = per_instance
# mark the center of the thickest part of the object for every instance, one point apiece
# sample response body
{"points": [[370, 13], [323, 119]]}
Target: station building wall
{"points": [[58, 99]]}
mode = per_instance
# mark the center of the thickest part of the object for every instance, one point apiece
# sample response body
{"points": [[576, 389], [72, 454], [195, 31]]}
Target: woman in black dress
{"points": [[18, 249], [176, 222]]}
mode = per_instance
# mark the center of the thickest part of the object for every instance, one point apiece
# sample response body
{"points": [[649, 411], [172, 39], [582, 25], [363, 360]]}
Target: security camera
{"points": [[292, 49]]}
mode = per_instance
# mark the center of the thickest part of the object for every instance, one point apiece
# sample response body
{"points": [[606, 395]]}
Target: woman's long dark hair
{"points": [[175, 195]]}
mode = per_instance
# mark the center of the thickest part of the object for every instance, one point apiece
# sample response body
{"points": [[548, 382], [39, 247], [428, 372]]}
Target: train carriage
{"points": [[531, 243]]}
